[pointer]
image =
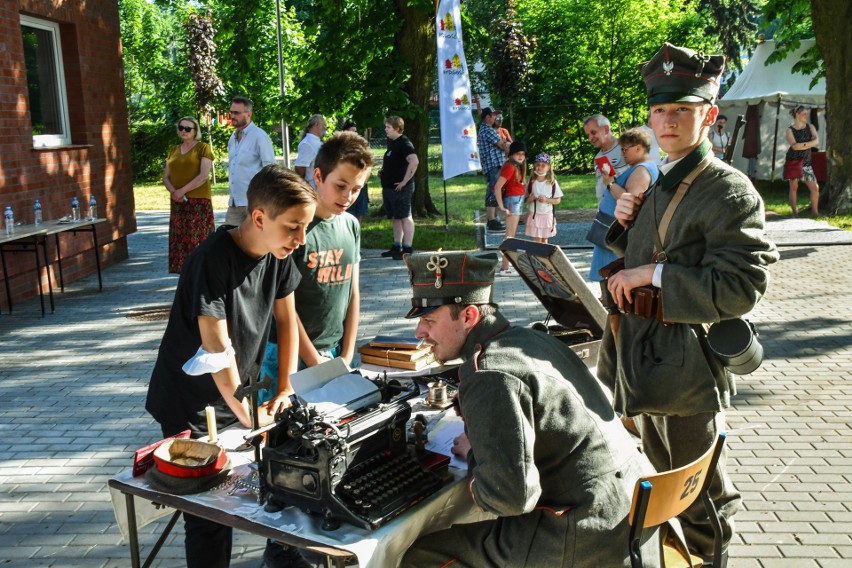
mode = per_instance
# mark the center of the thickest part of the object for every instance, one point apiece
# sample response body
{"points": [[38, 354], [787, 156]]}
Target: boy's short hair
{"points": [[275, 189], [396, 122], [345, 146]]}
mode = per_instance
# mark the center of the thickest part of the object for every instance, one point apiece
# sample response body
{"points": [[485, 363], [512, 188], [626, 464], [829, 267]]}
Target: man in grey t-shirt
{"points": [[599, 132]]}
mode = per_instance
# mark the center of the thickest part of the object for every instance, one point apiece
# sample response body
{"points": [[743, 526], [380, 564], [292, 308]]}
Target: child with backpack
{"points": [[543, 193]]}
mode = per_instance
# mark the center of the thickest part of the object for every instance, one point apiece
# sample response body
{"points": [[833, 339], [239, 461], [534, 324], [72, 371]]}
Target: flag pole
{"points": [[446, 214]]}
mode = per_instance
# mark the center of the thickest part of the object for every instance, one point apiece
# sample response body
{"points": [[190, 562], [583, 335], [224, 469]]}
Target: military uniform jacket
{"points": [[548, 456], [718, 256]]}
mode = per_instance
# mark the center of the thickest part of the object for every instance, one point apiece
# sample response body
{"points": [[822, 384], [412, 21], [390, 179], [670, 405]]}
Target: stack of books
{"points": [[397, 352]]}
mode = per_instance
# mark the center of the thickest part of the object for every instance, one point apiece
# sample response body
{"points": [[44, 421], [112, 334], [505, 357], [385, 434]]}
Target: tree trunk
{"points": [[416, 48], [831, 28]]}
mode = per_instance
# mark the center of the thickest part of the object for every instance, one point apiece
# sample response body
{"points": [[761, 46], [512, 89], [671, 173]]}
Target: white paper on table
{"points": [[314, 377], [343, 395], [442, 434]]}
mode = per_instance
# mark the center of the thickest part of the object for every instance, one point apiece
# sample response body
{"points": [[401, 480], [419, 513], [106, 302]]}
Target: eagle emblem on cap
{"points": [[435, 264], [668, 67]]}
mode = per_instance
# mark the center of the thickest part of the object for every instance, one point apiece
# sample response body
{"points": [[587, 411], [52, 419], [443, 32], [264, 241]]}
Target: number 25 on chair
{"points": [[661, 497]]}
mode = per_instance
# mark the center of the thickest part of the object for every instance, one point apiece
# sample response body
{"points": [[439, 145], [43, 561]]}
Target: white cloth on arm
{"points": [[203, 362]]}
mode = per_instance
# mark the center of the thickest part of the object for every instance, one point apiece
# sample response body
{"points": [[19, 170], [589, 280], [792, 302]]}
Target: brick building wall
{"points": [[97, 160]]}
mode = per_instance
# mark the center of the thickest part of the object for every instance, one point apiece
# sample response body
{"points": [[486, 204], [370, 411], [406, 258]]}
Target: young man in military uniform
{"points": [[545, 451], [712, 267]]}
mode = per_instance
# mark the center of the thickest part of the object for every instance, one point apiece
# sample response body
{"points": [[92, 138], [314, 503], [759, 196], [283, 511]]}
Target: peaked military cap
{"points": [[679, 75], [452, 277]]}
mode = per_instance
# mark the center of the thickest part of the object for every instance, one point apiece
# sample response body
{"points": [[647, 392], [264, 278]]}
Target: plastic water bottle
{"points": [[75, 209], [93, 208], [37, 211], [10, 222]]}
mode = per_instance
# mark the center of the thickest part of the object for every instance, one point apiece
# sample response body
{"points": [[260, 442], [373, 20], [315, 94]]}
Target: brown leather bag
{"points": [[646, 299]]}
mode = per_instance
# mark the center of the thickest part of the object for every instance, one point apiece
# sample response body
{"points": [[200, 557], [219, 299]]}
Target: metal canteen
{"points": [[735, 342]]}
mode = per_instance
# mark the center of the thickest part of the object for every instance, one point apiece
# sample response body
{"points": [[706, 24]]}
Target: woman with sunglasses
{"points": [[187, 177]]}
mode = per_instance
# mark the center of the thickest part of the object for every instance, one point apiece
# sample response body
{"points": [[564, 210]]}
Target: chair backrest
{"points": [[665, 495]]}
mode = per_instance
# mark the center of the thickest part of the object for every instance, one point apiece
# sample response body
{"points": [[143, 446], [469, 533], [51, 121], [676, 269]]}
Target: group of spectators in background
{"points": [[187, 170]]}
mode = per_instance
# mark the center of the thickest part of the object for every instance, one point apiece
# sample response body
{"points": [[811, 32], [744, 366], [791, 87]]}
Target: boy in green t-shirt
{"points": [[327, 299]]}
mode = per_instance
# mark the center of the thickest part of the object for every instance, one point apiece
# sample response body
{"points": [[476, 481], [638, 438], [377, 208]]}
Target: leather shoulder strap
{"points": [[660, 235]]}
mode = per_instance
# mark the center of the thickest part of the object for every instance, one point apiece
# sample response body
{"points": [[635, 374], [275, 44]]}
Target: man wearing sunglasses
{"points": [[249, 149]]}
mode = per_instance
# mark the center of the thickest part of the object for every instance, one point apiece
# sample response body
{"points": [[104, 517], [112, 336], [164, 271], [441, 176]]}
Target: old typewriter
{"points": [[352, 466]]}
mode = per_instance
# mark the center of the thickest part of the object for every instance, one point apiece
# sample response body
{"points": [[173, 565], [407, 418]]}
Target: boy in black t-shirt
{"points": [[228, 291]]}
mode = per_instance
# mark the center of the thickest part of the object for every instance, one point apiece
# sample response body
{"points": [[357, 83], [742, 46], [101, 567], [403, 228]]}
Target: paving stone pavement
{"points": [[73, 384]]}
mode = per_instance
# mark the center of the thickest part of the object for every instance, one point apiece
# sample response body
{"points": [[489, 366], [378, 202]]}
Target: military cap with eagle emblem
{"points": [[680, 75], [453, 277]]}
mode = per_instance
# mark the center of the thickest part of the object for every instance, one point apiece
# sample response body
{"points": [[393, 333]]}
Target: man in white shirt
{"points": [[249, 149], [309, 146], [599, 132]]}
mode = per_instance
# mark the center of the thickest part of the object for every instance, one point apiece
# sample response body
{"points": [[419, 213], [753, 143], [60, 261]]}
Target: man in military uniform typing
{"points": [[546, 453], [711, 265]]}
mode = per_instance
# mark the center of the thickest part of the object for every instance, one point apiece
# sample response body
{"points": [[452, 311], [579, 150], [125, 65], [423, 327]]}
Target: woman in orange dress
{"points": [[187, 177]]}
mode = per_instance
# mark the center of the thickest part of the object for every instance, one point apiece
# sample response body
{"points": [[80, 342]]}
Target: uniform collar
{"points": [[681, 169], [482, 333]]}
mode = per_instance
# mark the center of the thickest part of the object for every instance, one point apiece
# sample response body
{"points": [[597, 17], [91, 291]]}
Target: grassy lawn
{"points": [[465, 194], [775, 199]]}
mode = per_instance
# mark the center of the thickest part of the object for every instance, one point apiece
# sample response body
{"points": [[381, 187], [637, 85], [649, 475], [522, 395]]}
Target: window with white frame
{"points": [[45, 82]]}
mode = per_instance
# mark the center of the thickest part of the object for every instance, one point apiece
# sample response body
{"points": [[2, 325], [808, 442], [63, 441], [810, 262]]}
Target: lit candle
{"points": [[211, 423]]}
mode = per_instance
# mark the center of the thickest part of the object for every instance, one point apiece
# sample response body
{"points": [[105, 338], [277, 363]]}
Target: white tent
{"points": [[777, 90]]}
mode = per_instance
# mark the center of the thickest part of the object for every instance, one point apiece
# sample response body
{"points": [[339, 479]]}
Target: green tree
{"points": [[792, 23], [247, 36], [345, 68], [509, 59], [831, 28], [585, 61], [156, 84], [415, 50], [200, 52], [734, 23]]}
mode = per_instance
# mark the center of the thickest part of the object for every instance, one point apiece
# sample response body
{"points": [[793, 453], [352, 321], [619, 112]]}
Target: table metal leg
{"points": [[6, 279], [97, 257], [161, 540], [131, 527], [38, 278], [47, 271], [134, 534], [59, 263]]}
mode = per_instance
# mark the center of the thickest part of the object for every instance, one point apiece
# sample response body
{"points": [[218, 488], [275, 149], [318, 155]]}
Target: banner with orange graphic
{"points": [[458, 131]]}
